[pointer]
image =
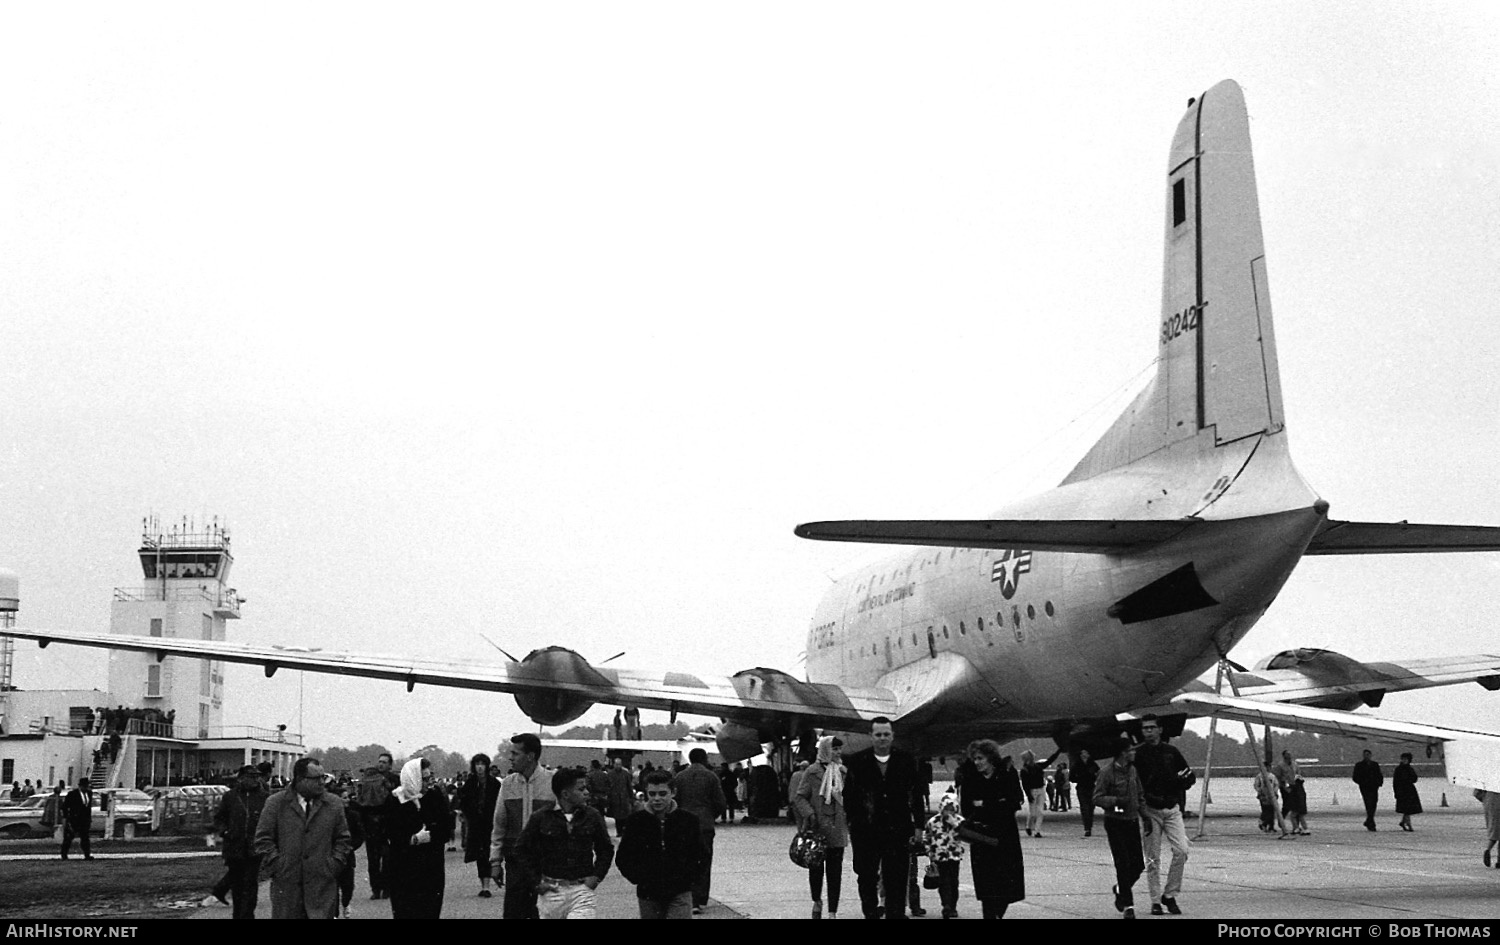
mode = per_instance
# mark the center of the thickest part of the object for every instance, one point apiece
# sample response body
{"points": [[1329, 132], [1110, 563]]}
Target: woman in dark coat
{"points": [[418, 823], [990, 797], [1405, 780], [477, 801]]}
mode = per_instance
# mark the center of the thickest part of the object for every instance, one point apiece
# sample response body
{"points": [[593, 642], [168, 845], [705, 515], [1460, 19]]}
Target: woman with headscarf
{"points": [[477, 801], [819, 803], [418, 823], [990, 797], [1293, 792]]}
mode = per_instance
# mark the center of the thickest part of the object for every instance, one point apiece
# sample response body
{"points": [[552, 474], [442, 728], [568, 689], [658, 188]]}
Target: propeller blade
{"points": [[613, 658], [500, 648]]}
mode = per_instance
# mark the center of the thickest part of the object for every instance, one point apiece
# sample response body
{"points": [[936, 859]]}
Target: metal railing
{"points": [[223, 598]]}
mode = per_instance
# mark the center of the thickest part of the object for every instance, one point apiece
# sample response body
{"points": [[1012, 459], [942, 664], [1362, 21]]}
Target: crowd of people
{"points": [[544, 838]]}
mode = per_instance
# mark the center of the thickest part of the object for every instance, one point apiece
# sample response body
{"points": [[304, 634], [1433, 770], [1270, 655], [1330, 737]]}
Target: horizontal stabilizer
{"points": [[1084, 536], [1375, 538]]}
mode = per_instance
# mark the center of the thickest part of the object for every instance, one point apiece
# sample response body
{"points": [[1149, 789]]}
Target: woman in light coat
{"points": [[819, 804]]}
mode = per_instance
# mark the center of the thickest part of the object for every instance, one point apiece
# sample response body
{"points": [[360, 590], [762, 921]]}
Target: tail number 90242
{"points": [[1181, 323]]}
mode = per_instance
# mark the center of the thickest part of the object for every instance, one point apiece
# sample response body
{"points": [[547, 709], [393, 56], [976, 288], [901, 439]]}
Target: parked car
{"points": [[129, 804], [23, 818]]}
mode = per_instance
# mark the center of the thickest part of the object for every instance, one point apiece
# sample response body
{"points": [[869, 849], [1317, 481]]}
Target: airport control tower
{"points": [[185, 596]]}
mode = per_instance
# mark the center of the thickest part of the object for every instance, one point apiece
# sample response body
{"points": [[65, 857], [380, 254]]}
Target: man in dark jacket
{"points": [[1367, 775], [375, 785], [699, 792], [662, 852], [1165, 778], [236, 820], [884, 804], [78, 818]]}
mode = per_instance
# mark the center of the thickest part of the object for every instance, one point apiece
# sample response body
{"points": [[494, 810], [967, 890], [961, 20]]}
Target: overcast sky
{"points": [[549, 322]]}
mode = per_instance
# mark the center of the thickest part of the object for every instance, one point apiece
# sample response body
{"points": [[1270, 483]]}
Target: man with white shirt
{"points": [[303, 839], [884, 805]]}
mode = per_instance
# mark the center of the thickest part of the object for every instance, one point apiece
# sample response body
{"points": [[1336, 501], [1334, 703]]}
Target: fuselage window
{"points": [[962, 630], [1050, 611], [945, 632], [914, 639], [980, 622], [1015, 616], [1030, 612]]}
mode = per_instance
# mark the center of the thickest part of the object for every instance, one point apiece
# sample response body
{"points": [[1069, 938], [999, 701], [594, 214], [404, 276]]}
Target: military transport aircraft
{"points": [[1070, 613]]}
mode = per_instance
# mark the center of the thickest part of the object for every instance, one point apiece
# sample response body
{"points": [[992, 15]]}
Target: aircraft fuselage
{"points": [[1043, 634]]}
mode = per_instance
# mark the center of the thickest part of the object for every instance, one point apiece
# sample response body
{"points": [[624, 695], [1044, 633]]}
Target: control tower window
{"points": [[156, 626]]}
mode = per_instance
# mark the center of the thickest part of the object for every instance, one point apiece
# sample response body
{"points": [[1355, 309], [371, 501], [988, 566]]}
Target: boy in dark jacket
{"points": [[662, 852]]}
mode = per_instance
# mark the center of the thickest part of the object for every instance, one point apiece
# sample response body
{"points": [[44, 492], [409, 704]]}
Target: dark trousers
{"points": [[833, 865], [346, 879], [1086, 807], [520, 899], [244, 885], [913, 884], [221, 888], [377, 851], [881, 861], [1371, 797], [948, 871], [67, 841], [1125, 849], [705, 878]]}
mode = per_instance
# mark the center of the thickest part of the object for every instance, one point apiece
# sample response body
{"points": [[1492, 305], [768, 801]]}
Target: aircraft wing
{"points": [[1472, 758], [1373, 538], [556, 681], [1320, 676]]}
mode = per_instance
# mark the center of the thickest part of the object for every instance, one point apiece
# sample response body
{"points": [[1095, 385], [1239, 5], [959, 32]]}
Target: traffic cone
{"points": [[1335, 798], [1444, 802]]}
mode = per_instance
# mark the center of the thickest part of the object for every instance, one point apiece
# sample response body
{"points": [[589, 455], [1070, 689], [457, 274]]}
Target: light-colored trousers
{"points": [[569, 902], [1168, 824]]}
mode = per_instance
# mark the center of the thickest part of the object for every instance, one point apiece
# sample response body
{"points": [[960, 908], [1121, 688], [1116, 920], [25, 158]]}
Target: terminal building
{"points": [[160, 723]]}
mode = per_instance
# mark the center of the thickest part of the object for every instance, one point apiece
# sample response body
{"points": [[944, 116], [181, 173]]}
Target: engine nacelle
{"points": [[1327, 668], [738, 741], [553, 665]]}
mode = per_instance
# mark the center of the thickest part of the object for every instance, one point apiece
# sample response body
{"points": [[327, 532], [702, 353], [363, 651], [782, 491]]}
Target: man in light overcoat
{"points": [[303, 841]]}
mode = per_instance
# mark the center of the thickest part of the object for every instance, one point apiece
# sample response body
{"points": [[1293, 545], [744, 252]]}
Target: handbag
{"points": [[808, 849], [930, 878]]}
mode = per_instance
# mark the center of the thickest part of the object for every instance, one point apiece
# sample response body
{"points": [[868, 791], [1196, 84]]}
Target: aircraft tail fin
{"points": [[1217, 379]]}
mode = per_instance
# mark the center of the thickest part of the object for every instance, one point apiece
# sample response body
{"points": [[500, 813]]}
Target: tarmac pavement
{"points": [[1234, 872]]}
